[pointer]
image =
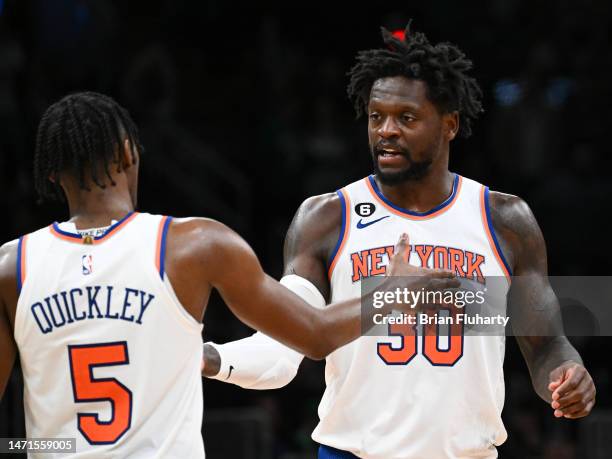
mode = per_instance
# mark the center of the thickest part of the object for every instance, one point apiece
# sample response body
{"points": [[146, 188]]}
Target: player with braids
{"points": [[81, 133], [416, 394], [106, 309], [442, 67]]}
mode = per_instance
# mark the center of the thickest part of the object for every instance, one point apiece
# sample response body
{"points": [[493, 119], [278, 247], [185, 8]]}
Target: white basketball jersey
{"points": [[394, 397], [109, 355]]}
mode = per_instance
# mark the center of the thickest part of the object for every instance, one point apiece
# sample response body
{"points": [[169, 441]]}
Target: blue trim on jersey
{"points": [[162, 249], [490, 224], [96, 238], [19, 273], [342, 228], [412, 212], [327, 452]]}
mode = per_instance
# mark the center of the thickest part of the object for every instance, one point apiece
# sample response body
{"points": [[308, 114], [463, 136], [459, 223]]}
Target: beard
{"points": [[415, 170]]}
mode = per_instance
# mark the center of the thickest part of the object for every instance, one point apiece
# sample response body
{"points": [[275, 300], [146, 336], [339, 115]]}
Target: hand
{"points": [[573, 391], [417, 278]]}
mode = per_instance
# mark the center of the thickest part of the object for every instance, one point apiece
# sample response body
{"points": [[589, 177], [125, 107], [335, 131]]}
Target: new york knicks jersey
{"points": [[109, 355], [415, 397]]}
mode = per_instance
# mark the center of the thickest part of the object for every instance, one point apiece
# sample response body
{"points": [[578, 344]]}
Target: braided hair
{"points": [[443, 67], [82, 135]]}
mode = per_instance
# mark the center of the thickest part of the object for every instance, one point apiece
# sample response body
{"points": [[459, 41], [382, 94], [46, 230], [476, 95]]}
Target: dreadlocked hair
{"points": [[442, 67], [82, 135]]}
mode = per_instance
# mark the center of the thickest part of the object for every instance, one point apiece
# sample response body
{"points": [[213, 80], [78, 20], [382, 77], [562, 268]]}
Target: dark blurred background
{"points": [[243, 114]]}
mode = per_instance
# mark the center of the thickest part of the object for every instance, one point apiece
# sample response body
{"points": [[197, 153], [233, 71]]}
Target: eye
{"points": [[408, 117], [374, 116]]}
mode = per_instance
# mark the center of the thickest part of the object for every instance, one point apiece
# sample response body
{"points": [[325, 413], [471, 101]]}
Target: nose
{"points": [[388, 128]]}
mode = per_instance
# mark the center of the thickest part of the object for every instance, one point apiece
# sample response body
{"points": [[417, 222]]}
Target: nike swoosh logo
{"points": [[230, 372], [361, 224]]}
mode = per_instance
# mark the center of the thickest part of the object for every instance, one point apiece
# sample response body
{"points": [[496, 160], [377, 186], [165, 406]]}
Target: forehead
{"points": [[399, 90]]}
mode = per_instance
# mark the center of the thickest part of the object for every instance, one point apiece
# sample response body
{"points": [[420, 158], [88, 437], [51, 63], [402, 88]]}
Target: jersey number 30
{"points": [[407, 350], [83, 359]]}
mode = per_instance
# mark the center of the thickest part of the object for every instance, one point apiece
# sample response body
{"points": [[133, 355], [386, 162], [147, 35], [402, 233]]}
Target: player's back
{"points": [[108, 354]]}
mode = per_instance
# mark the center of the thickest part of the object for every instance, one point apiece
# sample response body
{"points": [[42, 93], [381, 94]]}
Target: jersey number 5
{"points": [[407, 350], [83, 359]]}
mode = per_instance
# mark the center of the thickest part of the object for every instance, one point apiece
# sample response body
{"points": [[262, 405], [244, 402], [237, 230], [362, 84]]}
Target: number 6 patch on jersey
{"points": [[84, 359]]}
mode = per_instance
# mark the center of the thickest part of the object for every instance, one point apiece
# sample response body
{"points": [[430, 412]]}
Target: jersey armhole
{"points": [[344, 230], [21, 262], [487, 222], [160, 251]]}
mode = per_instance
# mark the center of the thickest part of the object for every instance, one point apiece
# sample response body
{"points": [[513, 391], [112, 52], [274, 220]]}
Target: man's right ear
{"points": [[127, 158]]}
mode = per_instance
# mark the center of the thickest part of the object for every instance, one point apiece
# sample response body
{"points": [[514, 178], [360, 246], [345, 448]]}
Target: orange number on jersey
{"points": [[407, 349], [83, 359], [431, 350]]}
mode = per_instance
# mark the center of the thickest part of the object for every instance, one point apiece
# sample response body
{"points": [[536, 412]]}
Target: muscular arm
{"points": [[8, 301], [534, 309], [308, 244], [311, 239], [215, 254]]}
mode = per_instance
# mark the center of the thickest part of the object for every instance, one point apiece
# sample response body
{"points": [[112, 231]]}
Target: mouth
{"points": [[391, 156], [387, 153], [389, 150]]}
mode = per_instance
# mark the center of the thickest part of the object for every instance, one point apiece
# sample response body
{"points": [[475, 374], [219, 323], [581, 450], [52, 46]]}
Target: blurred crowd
{"points": [[243, 115]]}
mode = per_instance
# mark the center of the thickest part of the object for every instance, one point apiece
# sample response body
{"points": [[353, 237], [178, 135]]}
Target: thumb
{"points": [[402, 248], [555, 378]]}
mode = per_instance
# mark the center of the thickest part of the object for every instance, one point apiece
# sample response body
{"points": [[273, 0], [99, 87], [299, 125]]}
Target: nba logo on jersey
{"points": [[87, 262]]}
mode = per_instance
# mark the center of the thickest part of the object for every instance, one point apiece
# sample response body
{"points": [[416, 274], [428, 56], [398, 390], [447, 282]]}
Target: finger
{"points": [[443, 283], [441, 273], [585, 387], [573, 376], [556, 377], [553, 385], [573, 409], [587, 409], [402, 248], [567, 400]]}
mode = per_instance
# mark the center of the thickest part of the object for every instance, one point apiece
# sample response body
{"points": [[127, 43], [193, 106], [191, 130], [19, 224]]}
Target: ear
{"points": [[451, 125], [127, 158]]}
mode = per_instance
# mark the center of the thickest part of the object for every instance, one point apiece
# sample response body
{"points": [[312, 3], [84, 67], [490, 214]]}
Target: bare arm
{"points": [[261, 302], [309, 242], [214, 255], [555, 366], [8, 301], [311, 238]]}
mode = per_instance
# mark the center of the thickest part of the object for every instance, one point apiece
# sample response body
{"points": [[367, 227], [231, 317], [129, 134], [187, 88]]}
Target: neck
{"points": [[421, 195], [98, 207]]}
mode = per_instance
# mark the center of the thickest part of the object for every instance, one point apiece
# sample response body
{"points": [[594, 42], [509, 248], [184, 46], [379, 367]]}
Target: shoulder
{"points": [[197, 234], [8, 272], [511, 214], [8, 260], [197, 227], [324, 209], [316, 225], [517, 226]]}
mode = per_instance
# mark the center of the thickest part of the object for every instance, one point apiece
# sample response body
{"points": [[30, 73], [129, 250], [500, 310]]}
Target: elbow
{"points": [[322, 338], [321, 349], [317, 354]]}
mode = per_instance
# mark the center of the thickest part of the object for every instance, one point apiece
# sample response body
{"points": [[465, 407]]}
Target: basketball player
{"points": [[106, 308], [406, 396]]}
